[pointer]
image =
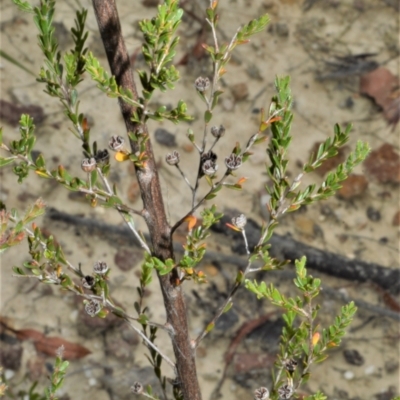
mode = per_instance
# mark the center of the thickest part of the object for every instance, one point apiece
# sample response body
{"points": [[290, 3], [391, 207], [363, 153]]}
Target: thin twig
{"points": [[152, 345]]}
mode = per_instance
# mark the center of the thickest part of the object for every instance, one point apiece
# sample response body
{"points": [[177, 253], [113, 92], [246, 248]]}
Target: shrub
{"points": [[303, 342]]}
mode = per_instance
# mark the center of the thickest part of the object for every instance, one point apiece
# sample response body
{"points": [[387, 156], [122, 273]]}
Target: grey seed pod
{"points": [[201, 84], [137, 388], [100, 267], [93, 307], [116, 143], [233, 162], [261, 393], [209, 167], [88, 164], [285, 391], [172, 158], [290, 364]]}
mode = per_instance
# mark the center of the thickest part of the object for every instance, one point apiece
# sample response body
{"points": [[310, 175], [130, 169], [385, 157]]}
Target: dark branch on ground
{"points": [[282, 246]]}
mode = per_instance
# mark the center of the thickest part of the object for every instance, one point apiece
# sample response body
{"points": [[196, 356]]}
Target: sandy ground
{"points": [[298, 43]]}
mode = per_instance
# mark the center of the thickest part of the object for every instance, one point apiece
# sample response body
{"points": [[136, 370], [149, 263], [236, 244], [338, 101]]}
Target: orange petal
{"points": [[121, 156], [315, 338], [191, 220], [235, 228], [85, 124]]}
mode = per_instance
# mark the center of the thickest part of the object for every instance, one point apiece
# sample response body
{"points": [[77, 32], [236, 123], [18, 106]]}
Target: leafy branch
{"points": [[301, 344]]}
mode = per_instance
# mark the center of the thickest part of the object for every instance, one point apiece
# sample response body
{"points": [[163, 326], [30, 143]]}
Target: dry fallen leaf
{"points": [[383, 164], [49, 345], [384, 88], [26, 334], [72, 351], [354, 186]]}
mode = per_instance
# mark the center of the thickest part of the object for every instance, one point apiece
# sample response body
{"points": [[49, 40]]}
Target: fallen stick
{"points": [[281, 247], [285, 247]]}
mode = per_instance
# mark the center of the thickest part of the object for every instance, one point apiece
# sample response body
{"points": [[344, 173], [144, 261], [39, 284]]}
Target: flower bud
{"points": [[218, 131]]}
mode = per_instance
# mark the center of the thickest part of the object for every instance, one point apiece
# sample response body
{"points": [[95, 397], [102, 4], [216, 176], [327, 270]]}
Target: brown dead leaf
{"points": [[354, 186], [72, 351], [396, 219], [28, 334], [383, 164], [384, 88], [49, 345]]}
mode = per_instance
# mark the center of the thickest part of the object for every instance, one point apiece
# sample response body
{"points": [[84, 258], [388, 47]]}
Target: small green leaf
{"points": [[18, 271], [210, 196], [228, 307], [6, 161], [207, 116], [210, 327]]}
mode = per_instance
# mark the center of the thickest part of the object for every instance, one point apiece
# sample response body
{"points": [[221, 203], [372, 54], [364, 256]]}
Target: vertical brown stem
{"points": [[153, 211]]}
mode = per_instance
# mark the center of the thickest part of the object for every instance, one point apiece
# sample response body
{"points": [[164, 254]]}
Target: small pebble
{"points": [[92, 382], [348, 375], [126, 259], [348, 103], [353, 357], [187, 147], [240, 91], [73, 316], [8, 374], [279, 28], [391, 366], [210, 270], [254, 72], [227, 104], [369, 370], [307, 227], [165, 138], [373, 214]]}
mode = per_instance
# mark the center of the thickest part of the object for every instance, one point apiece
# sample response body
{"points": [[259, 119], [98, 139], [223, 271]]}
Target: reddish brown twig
{"points": [[153, 205]]}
